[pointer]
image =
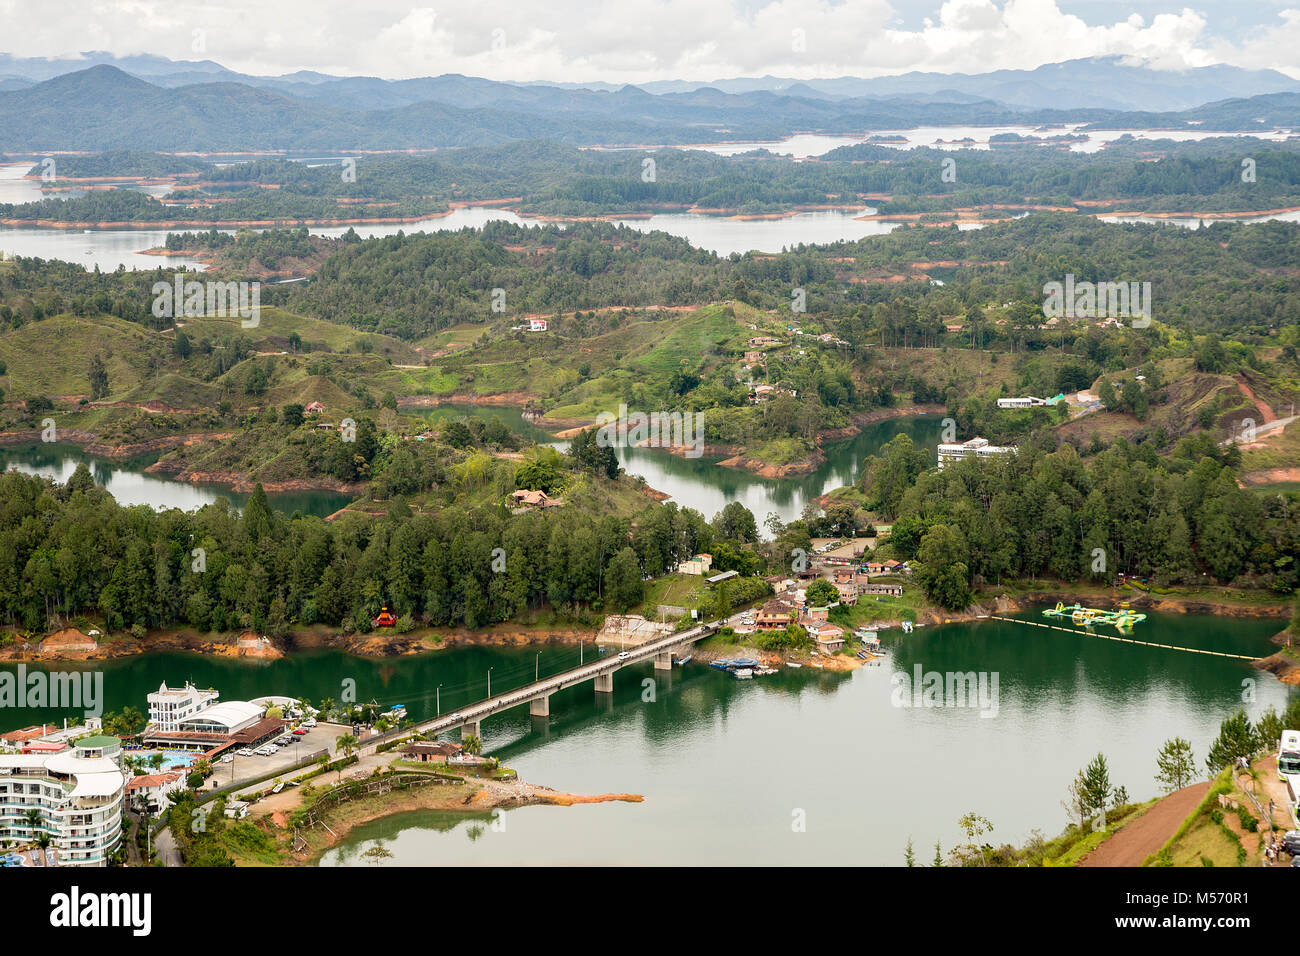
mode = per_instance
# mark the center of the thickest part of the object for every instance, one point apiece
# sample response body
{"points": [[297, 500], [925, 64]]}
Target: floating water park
{"points": [[1123, 618]]}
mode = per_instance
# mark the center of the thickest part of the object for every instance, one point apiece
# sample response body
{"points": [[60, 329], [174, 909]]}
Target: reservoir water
{"points": [[130, 484], [728, 767]]}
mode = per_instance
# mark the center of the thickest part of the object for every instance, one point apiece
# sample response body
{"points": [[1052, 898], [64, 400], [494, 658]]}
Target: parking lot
{"points": [[320, 737]]}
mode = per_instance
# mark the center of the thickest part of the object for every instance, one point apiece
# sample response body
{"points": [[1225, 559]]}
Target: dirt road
{"points": [[1149, 832]]}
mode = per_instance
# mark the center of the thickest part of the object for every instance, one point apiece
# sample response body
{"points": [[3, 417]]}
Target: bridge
{"points": [[537, 695]]}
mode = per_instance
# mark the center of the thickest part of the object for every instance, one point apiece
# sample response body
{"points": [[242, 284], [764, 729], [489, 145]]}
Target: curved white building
{"points": [[77, 794]]}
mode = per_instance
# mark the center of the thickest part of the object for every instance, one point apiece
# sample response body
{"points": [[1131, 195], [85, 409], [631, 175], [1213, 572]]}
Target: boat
{"points": [[683, 660], [907, 627], [742, 673], [792, 664], [721, 664]]}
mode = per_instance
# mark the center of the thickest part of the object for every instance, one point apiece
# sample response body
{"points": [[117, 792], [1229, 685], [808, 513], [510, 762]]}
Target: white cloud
{"points": [[637, 41]]}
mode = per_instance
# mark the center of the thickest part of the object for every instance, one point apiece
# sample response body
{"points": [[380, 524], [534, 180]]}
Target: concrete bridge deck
{"points": [[538, 694]]}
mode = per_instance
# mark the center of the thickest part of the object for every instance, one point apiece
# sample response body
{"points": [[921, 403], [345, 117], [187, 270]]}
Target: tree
{"points": [[943, 571], [1175, 764], [822, 592], [735, 522], [473, 744], [1237, 738], [292, 415], [624, 587], [98, 376], [973, 852], [1096, 782]]}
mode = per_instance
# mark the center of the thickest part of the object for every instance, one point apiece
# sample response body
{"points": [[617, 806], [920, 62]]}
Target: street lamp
{"points": [[437, 702], [537, 668], [489, 681]]}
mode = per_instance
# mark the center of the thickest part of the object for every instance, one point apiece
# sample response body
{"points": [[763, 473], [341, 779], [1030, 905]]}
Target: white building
{"points": [[975, 448], [226, 718], [154, 790], [77, 794], [169, 706], [1027, 402]]}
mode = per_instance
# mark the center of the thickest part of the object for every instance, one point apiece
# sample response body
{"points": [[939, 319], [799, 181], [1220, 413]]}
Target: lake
{"points": [[130, 484], [727, 766], [109, 248], [808, 145], [698, 483]]}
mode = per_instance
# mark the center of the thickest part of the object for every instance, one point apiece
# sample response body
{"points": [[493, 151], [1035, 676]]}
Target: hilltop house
{"points": [[530, 499], [700, 564]]}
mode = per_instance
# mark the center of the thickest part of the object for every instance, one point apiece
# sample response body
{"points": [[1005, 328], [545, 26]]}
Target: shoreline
{"points": [[965, 214], [484, 797], [385, 645]]}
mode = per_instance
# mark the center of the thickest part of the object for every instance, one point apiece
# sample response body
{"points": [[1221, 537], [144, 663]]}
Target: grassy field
{"points": [[276, 325], [52, 356]]}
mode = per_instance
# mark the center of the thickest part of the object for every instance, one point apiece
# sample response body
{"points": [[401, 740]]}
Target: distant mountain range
{"points": [[1114, 83], [158, 104]]}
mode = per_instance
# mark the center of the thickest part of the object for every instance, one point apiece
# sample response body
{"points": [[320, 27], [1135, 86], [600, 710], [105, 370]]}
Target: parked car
{"points": [[300, 732], [244, 752], [228, 758], [623, 655], [1291, 842]]}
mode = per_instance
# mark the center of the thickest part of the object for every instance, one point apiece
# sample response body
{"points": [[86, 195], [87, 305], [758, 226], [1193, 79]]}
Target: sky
{"points": [[634, 41]]}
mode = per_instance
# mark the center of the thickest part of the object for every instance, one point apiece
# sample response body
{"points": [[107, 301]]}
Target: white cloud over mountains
{"points": [[641, 40]]}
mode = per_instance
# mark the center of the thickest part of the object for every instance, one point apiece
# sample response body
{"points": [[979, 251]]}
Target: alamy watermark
{"points": [[53, 690], [653, 430], [210, 299], [924, 688]]}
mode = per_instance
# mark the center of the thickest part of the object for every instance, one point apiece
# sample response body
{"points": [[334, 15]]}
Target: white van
{"points": [[1288, 754]]}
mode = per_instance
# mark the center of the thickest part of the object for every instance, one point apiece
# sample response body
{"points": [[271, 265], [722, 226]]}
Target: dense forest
{"points": [[1177, 519], [71, 550]]}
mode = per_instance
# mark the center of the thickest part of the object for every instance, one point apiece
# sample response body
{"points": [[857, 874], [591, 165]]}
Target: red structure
{"points": [[385, 619]]}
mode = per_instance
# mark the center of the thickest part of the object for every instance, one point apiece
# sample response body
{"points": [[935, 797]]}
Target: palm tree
{"points": [[474, 744], [33, 821], [156, 760], [346, 743]]}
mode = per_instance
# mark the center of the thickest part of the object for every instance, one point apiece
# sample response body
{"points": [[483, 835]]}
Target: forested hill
{"points": [[105, 108]]}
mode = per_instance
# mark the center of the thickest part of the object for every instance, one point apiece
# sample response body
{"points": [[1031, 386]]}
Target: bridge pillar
{"points": [[471, 728], [540, 706], [664, 661], [605, 683]]}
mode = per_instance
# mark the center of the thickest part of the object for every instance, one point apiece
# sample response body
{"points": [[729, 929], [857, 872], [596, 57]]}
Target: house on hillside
{"points": [[700, 564], [775, 615], [527, 498], [537, 325], [314, 408]]}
